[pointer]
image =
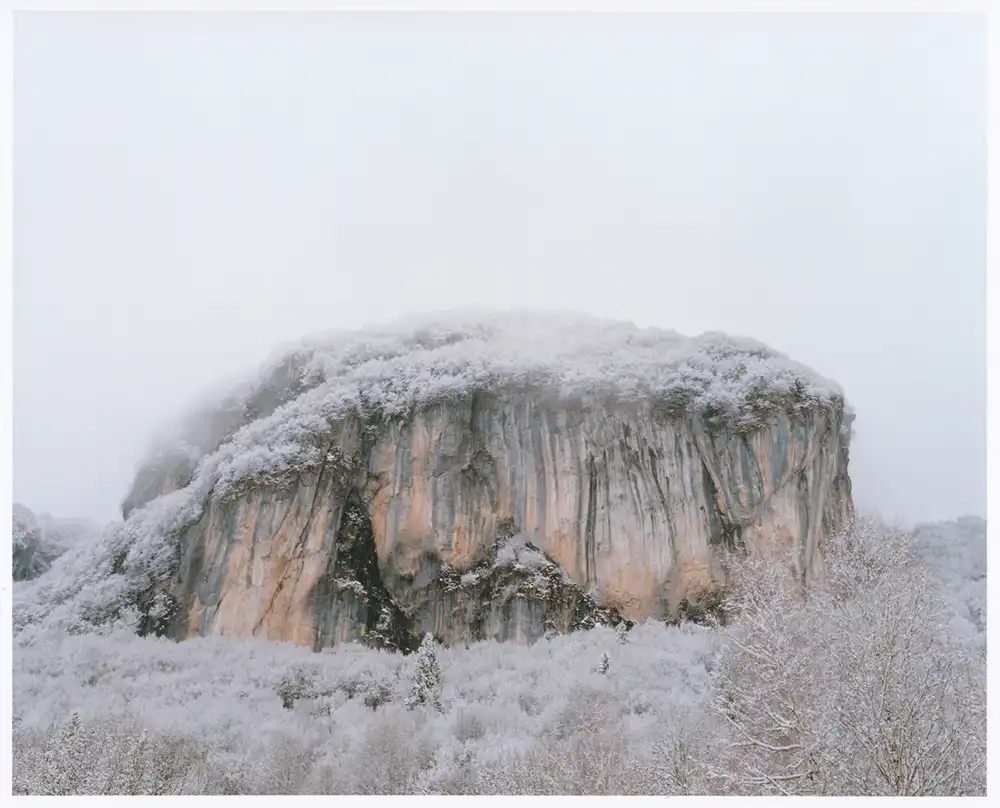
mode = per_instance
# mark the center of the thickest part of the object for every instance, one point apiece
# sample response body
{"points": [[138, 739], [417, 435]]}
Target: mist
{"points": [[194, 190]]}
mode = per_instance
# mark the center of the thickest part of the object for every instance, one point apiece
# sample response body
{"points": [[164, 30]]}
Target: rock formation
{"points": [[483, 476]]}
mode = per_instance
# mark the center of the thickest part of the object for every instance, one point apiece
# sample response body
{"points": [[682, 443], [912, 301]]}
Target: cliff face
{"points": [[630, 504], [626, 500], [312, 562], [505, 509]]}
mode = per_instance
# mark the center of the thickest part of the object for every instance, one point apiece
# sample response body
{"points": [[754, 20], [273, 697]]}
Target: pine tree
{"points": [[426, 688], [622, 631], [604, 664], [63, 769]]}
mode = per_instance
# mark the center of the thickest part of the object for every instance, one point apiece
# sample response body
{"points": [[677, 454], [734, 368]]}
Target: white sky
{"points": [[192, 190]]}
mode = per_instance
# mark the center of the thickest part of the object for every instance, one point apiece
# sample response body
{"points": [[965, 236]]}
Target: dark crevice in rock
{"points": [[328, 459], [711, 511], [590, 564], [724, 532], [802, 499], [351, 601]]}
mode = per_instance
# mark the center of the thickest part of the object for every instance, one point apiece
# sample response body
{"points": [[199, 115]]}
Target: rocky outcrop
{"points": [[308, 563], [385, 495]]}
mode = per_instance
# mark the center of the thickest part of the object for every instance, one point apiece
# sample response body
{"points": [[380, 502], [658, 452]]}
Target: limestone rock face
{"points": [[627, 502], [505, 511]]}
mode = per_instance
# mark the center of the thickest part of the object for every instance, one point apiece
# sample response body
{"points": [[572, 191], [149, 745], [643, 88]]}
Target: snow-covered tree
{"points": [[605, 664], [852, 687], [426, 687], [621, 632]]}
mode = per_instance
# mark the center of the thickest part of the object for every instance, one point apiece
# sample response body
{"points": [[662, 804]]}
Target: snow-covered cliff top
{"points": [[421, 360]]}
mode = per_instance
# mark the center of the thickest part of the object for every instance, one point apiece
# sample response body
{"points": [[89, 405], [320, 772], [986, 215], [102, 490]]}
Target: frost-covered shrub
{"points": [[298, 685], [377, 695], [516, 552]]}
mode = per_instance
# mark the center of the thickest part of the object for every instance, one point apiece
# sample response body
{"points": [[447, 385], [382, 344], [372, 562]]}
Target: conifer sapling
{"points": [[426, 688]]}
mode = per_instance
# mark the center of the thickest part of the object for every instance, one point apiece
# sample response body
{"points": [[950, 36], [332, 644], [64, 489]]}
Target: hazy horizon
{"points": [[193, 191]]}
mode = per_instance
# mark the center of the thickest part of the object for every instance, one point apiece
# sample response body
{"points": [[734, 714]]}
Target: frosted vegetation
{"points": [[38, 540], [873, 683], [517, 552], [957, 552], [278, 425]]}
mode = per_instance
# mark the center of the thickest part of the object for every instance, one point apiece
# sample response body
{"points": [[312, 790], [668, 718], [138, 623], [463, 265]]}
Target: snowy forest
{"points": [[871, 683]]}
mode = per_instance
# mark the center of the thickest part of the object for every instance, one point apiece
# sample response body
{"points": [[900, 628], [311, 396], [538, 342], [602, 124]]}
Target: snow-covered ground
{"points": [[504, 707]]}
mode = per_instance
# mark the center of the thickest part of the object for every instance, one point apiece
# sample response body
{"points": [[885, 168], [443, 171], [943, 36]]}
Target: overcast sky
{"points": [[192, 190]]}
